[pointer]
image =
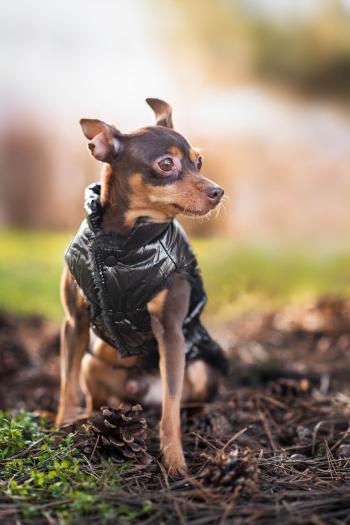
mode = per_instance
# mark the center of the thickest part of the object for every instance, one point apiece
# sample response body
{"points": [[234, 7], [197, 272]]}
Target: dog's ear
{"points": [[162, 110], [105, 143]]}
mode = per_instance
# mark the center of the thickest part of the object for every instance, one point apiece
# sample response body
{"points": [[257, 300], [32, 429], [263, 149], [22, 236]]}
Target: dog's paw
{"points": [[174, 461], [68, 417]]}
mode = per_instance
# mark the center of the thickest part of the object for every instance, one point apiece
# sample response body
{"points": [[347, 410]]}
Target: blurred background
{"points": [[261, 86]]}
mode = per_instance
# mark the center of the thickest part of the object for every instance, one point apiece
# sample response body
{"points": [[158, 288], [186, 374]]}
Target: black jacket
{"points": [[119, 275]]}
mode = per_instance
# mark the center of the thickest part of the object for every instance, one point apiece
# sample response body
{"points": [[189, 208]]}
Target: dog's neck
{"points": [[119, 213]]}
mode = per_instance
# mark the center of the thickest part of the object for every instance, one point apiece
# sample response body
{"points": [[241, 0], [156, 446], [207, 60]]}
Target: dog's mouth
{"points": [[190, 212]]}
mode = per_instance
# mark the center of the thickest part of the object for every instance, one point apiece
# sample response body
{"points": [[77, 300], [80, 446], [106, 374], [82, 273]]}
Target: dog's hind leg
{"points": [[201, 382], [74, 342]]}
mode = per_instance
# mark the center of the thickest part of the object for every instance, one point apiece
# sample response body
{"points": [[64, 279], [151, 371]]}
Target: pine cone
{"points": [[289, 388], [119, 433], [234, 471], [207, 422]]}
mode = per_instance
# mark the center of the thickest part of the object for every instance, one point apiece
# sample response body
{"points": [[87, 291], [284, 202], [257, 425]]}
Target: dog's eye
{"points": [[199, 163], [166, 164]]}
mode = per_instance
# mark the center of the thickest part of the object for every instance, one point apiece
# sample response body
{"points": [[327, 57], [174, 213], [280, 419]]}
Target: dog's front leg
{"points": [[168, 311]]}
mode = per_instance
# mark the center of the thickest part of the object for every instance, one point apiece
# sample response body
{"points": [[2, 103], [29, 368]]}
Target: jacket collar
{"points": [[143, 232]]}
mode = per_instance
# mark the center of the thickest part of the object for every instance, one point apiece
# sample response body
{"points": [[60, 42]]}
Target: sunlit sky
{"points": [[61, 60], [81, 58]]}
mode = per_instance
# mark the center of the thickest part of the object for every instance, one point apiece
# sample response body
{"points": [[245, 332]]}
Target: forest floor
{"points": [[274, 447]]}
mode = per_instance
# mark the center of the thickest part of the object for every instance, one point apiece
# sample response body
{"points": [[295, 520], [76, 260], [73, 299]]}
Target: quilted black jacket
{"points": [[119, 275]]}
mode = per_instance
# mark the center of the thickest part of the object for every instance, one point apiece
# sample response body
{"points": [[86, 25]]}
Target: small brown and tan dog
{"points": [[151, 173]]}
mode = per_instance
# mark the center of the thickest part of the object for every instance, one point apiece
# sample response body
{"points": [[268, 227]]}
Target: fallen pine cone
{"points": [[208, 421], [289, 388], [235, 471], [118, 433]]}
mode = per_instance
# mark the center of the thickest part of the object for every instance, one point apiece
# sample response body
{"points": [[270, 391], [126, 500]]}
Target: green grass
{"points": [[44, 477], [237, 277]]}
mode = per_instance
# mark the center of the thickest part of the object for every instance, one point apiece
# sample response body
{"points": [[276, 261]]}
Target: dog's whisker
{"points": [[226, 200]]}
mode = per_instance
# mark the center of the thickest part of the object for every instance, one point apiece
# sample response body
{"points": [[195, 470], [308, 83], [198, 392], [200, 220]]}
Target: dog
{"points": [[131, 289]]}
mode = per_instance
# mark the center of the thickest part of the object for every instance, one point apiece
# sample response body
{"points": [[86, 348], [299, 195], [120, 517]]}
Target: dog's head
{"points": [[154, 170]]}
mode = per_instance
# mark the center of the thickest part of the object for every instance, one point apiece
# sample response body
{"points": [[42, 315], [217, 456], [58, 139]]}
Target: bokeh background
{"points": [[261, 86]]}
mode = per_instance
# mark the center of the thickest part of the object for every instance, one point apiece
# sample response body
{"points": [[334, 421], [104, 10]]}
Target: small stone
{"points": [[304, 435], [298, 457], [343, 451]]}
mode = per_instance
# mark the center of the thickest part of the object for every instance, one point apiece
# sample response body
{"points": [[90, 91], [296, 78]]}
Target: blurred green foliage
{"points": [[309, 50], [30, 268], [237, 277]]}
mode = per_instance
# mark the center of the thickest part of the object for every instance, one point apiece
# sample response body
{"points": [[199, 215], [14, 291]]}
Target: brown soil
{"points": [[273, 448]]}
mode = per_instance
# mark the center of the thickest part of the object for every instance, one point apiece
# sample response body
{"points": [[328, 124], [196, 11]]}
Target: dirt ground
{"points": [[273, 448]]}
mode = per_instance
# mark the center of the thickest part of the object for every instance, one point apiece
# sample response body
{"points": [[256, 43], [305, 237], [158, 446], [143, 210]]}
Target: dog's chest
{"points": [[120, 276]]}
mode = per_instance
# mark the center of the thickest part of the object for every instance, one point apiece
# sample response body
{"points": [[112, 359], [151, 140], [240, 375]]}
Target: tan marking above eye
{"points": [[193, 154], [173, 150]]}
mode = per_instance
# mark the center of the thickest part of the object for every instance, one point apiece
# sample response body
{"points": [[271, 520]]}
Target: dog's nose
{"points": [[214, 193]]}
